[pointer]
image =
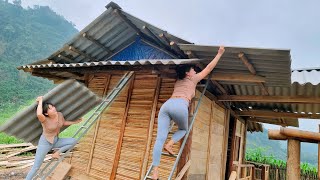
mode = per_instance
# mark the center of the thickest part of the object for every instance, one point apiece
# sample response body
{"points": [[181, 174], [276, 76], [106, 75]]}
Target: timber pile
{"points": [[11, 155]]}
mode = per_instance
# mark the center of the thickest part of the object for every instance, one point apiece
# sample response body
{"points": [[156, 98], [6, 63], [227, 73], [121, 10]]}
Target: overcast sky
{"points": [[285, 24]]}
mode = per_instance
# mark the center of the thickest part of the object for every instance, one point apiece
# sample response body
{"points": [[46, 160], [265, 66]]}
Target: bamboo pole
{"points": [[293, 162]]}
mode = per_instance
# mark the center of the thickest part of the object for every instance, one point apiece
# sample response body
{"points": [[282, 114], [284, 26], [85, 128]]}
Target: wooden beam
{"points": [[273, 99], [295, 133], [85, 35], [150, 33], [106, 86], [150, 128], [246, 62], [272, 114], [164, 38], [126, 20], [122, 128], [238, 77], [81, 53], [176, 48], [252, 70], [191, 55], [65, 58], [220, 87]]}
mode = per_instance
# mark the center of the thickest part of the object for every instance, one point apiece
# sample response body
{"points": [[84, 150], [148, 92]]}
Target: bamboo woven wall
{"points": [[209, 138], [200, 140], [120, 144], [119, 141]]}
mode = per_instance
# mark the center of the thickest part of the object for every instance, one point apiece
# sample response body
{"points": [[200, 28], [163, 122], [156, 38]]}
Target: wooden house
{"points": [[243, 90]]}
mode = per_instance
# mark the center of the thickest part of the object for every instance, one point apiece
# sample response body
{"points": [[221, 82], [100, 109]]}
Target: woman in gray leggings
{"points": [[176, 108], [51, 122]]}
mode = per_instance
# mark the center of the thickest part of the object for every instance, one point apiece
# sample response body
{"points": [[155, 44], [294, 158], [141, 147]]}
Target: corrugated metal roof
{"points": [[110, 63], [304, 76], [274, 64], [108, 34], [71, 98]]}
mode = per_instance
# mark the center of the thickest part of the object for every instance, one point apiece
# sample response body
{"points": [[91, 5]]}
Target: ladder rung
{"points": [[148, 177], [195, 99], [168, 154], [84, 127], [171, 132]]}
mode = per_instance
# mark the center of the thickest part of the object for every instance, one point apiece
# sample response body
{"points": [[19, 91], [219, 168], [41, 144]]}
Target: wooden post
{"points": [[293, 162], [150, 129], [122, 128], [277, 174]]}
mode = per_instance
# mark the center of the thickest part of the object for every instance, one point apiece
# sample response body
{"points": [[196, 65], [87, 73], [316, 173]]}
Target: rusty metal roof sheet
{"points": [[71, 98]]}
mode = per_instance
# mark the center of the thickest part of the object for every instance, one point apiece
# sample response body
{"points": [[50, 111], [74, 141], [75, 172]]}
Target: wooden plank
{"points": [[97, 126], [150, 128], [21, 151], [273, 99], [272, 114], [123, 125], [236, 77], [183, 170], [2, 146], [61, 171]]}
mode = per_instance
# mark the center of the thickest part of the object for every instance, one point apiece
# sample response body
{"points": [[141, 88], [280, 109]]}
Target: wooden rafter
{"points": [[65, 58], [85, 35], [127, 21], [252, 70], [81, 53], [238, 77], [164, 38], [150, 33], [271, 99], [191, 54], [176, 48], [272, 114]]}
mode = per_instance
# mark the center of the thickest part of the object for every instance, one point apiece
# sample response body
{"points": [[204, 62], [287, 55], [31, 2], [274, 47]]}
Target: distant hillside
{"points": [[309, 152], [26, 35]]}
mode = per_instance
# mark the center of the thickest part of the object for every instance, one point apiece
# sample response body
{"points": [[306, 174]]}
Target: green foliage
{"points": [[26, 35], [258, 155]]}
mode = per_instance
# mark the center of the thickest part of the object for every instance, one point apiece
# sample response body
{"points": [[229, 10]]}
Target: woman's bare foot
{"points": [[168, 147], [155, 175], [56, 155]]}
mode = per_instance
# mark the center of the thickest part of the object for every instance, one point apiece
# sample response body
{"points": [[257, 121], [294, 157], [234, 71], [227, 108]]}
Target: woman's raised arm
{"points": [[201, 75], [40, 116]]}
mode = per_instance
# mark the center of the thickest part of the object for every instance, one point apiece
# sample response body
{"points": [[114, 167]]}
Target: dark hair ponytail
{"points": [[183, 69], [45, 107]]}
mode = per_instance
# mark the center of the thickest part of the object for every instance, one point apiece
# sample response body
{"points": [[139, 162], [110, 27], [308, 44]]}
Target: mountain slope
{"points": [[26, 35]]}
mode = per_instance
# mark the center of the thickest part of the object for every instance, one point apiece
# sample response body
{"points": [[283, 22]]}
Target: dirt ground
{"points": [[14, 174]]}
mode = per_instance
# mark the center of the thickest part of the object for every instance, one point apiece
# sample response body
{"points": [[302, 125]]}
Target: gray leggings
{"points": [[177, 110], [44, 147]]}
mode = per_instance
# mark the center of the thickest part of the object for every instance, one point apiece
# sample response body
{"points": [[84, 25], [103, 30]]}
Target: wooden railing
{"points": [[250, 172], [245, 171]]}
